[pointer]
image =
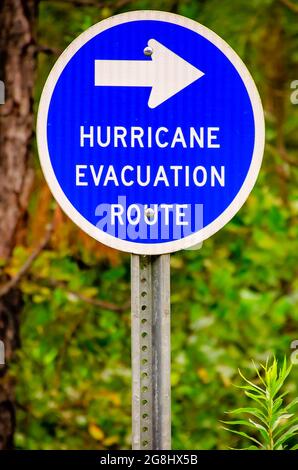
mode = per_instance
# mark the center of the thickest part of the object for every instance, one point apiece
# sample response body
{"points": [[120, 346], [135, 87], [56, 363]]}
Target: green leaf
{"points": [[253, 411], [282, 428], [257, 425], [257, 399], [280, 418], [240, 421], [293, 431], [291, 404], [243, 434], [254, 386]]}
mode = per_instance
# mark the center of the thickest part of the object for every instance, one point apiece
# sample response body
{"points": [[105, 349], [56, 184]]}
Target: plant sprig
{"points": [[270, 424]]}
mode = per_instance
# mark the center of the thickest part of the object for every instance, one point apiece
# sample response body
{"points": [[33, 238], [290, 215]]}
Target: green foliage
{"points": [[234, 299], [270, 424]]}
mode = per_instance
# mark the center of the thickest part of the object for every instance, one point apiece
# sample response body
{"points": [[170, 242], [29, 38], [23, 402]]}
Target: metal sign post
{"points": [[151, 362]]}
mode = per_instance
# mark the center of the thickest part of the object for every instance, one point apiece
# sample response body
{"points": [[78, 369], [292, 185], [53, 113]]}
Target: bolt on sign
{"points": [[150, 132]]}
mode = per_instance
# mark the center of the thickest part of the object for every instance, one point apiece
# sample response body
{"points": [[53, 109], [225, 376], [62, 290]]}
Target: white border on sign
{"points": [[71, 211]]}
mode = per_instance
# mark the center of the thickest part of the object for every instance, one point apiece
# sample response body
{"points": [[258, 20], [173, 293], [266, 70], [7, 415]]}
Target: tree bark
{"points": [[17, 71]]}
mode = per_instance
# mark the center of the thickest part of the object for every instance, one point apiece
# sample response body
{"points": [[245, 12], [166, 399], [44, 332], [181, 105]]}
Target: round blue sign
{"points": [[150, 132]]}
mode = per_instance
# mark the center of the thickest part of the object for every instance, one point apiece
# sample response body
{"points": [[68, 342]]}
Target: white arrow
{"points": [[166, 73]]}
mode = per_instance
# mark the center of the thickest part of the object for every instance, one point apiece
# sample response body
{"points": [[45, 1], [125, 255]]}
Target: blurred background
{"points": [[65, 299]]}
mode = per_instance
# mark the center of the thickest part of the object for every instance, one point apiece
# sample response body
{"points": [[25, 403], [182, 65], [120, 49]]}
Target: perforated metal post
{"points": [[151, 363]]}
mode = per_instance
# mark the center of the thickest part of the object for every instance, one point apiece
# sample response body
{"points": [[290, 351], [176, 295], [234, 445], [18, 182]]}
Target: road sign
{"points": [[150, 132]]}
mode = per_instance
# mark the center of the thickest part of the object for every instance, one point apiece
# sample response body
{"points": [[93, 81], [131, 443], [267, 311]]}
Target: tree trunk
{"points": [[17, 70]]}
